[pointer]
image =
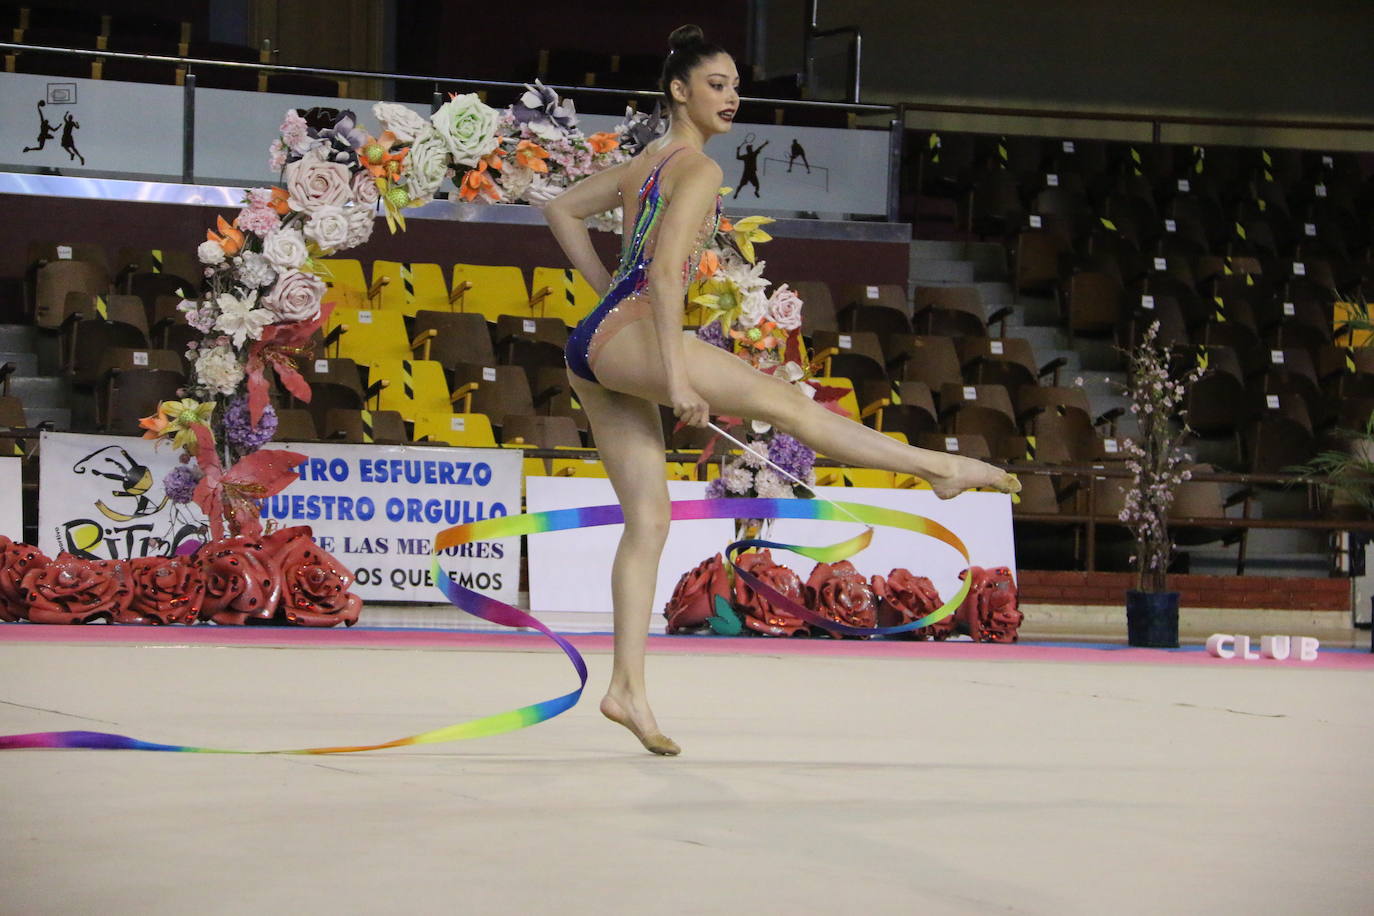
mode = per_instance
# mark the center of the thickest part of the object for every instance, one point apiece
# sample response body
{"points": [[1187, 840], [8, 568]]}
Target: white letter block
{"points": [[1275, 647], [1215, 647], [1243, 649], [1307, 648]]}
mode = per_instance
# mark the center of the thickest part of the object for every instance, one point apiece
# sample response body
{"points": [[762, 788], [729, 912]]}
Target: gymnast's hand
{"points": [[688, 406]]}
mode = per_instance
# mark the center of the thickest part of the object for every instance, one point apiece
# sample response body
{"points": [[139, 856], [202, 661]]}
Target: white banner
{"points": [[571, 570], [11, 499], [78, 125], [376, 508]]}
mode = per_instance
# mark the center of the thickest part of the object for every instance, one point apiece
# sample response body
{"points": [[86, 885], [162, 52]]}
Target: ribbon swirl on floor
{"points": [[487, 608]]}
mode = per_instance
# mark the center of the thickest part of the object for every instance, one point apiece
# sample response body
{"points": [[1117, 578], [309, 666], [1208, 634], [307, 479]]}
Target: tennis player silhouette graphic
{"points": [[750, 158]]}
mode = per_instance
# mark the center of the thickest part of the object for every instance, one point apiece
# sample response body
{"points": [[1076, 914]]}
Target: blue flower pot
{"points": [[1152, 619]]}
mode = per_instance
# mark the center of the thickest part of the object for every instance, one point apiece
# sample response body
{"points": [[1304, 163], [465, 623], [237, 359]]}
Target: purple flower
{"points": [[180, 484], [713, 334], [540, 103], [239, 428], [791, 455], [716, 489]]}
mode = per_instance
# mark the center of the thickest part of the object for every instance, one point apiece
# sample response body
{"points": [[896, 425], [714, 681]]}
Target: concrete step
{"points": [[41, 391], [937, 250], [989, 260], [25, 363], [18, 338], [926, 272]]}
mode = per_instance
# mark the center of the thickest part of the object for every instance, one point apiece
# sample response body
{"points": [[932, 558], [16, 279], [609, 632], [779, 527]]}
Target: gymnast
{"points": [[631, 355]]}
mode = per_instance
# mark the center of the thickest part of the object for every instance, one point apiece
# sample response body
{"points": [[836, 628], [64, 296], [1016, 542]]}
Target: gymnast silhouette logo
{"points": [[747, 153], [47, 130]]}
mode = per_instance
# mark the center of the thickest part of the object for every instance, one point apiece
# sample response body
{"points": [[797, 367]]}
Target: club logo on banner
{"points": [[374, 507]]}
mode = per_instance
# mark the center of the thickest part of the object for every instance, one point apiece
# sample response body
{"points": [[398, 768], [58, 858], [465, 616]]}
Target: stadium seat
{"points": [[562, 293], [410, 287], [491, 291], [466, 430]]}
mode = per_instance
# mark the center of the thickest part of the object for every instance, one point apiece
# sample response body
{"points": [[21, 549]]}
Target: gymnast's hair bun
{"points": [[685, 37]]}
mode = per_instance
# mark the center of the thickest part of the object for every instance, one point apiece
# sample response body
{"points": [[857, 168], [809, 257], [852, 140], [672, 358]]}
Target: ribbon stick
{"points": [[487, 608]]}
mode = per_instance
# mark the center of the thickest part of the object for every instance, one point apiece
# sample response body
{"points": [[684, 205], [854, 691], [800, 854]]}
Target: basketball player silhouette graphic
{"points": [[46, 131]]}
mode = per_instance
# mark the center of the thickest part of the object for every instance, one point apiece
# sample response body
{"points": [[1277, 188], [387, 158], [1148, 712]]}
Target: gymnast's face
{"points": [[710, 98]]}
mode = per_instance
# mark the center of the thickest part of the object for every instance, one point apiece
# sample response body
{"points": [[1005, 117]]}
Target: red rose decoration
{"points": [[990, 613], [840, 592], [693, 601], [241, 581], [166, 590], [314, 584], [16, 560], [760, 615], [903, 598], [73, 590]]}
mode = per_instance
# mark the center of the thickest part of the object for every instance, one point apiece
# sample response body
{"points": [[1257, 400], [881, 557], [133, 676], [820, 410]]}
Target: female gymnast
{"points": [[631, 355]]}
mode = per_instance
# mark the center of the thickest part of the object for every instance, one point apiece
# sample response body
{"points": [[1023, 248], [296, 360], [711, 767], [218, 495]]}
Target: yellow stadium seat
{"points": [[563, 294], [470, 430], [680, 470], [849, 402], [576, 467], [854, 477], [415, 387], [899, 436], [347, 286], [490, 291], [412, 287], [368, 336]]}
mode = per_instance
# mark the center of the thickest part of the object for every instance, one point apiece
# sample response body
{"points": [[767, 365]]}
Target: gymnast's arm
{"points": [[691, 193], [566, 213]]}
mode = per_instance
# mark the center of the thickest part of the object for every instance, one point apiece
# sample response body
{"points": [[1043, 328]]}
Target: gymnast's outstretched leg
{"points": [[628, 363], [629, 436]]}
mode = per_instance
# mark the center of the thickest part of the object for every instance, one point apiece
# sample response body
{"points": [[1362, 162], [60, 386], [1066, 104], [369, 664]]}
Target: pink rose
{"points": [[296, 296], [784, 308], [313, 182], [364, 189]]}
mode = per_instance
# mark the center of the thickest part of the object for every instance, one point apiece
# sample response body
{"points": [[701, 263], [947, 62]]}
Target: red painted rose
{"points": [[241, 581], [692, 603], [314, 584], [903, 598], [73, 590], [990, 612], [16, 560], [840, 592], [167, 590], [760, 615]]}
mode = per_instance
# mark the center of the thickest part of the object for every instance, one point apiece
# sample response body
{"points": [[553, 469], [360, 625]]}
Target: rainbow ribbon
{"points": [[499, 612]]}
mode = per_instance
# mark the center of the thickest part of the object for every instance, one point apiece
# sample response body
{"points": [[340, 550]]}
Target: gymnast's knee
{"points": [[647, 524]]}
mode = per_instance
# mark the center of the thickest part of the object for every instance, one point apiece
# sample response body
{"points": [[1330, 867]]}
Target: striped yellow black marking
{"points": [[407, 380], [367, 425], [156, 258]]}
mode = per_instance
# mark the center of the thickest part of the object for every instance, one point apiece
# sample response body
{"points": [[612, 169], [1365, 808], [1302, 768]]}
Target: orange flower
{"points": [[531, 156], [476, 182], [493, 158], [281, 201], [381, 158], [726, 225], [708, 265], [760, 338], [230, 239], [155, 425], [603, 142]]}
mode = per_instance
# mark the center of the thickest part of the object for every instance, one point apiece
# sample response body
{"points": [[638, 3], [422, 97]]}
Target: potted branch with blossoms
{"points": [[1156, 460]]}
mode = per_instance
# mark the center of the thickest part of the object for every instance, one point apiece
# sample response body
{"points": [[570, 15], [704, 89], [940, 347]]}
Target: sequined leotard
{"points": [[627, 300]]}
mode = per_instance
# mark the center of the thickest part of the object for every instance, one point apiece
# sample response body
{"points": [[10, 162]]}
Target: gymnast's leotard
{"points": [[627, 300]]}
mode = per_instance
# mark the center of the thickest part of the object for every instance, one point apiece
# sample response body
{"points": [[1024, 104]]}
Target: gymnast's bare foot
{"points": [[969, 473], [640, 721]]}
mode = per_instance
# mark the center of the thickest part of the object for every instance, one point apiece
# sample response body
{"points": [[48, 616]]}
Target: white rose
{"points": [[753, 309], [218, 369], [541, 191], [296, 297], [360, 223], [327, 228], [785, 308], [468, 127], [255, 271], [285, 248], [365, 189], [516, 180], [210, 253], [404, 123], [425, 166], [313, 182]]}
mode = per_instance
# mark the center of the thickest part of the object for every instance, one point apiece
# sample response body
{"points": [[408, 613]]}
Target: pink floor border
{"points": [[367, 638]]}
